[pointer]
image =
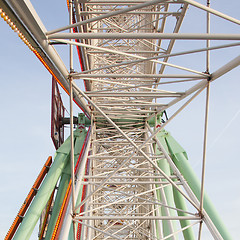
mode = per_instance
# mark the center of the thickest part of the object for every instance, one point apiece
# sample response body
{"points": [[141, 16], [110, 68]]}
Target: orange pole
{"points": [[28, 200]]}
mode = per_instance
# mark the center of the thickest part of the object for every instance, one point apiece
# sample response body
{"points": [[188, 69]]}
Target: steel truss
{"points": [[134, 187]]}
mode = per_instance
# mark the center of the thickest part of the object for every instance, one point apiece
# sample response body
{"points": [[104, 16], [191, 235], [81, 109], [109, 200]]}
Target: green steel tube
{"points": [[181, 204], [79, 197], [158, 224], [59, 166], [163, 164], [63, 185], [157, 229], [180, 159], [30, 220], [168, 191]]}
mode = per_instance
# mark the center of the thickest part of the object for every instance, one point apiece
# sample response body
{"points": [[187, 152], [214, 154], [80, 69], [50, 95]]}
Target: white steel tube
{"points": [[173, 166], [136, 196], [134, 56], [167, 213], [204, 147], [226, 68], [28, 15], [128, 177], [99, 230], [206, 123], [210, 10], [135, 94], [181, 230], [135, 146], [138, 218], [162, 56], [206, 218], [107, 15], [133, 13], [208, 41], [70, 31], [129, 183], [83, 75], [79, 175], [71, 122], [181, 36], [176, 31], [198, 87], [72, 155]]}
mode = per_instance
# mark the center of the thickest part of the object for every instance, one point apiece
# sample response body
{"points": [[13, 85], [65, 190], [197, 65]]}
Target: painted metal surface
{"points": [[180, 159], [43, 195], [125, 186], [29, 199]]}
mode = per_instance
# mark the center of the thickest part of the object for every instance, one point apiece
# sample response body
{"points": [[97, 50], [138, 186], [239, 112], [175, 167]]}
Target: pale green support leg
{"points": [[181, 204], [80, 137], [62, 158], [158, 213], [166, 195], [63, 185], [157, 229], [77, 149], [33, 214], [180, 159]]}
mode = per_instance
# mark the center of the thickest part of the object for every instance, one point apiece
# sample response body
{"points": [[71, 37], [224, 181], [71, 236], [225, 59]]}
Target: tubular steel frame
{"points": [[127, 182]]}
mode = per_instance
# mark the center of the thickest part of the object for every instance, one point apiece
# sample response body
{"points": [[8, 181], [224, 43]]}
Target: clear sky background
{"points": [[25, 101]]}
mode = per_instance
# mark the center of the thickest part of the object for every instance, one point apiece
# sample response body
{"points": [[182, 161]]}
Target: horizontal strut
{"points": [[138, 218], [82, 75], [181, 36]]}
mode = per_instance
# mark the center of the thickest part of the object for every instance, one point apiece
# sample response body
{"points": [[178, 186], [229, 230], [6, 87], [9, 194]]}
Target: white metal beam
{"points": [[214, 12], [107, 15], [226, 68], [31, 20], [181, 36]]}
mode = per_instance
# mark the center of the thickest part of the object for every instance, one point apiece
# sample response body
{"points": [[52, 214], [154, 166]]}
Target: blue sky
{"points": [[25, 142]]}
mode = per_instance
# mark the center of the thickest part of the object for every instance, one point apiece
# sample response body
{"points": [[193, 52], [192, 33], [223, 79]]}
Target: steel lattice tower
{"points": [[132, 179]]}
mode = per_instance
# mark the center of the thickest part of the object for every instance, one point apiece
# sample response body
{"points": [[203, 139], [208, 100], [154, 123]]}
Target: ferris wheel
{"points": [[135, 67]]}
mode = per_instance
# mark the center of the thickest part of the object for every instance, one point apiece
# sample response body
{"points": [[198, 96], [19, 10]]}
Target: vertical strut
{"points": [[71, 116], [131, 180], [206, 121]]}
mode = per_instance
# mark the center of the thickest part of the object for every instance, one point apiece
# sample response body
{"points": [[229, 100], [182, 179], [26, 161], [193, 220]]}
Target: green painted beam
{"points": [[180, 159], [62, 187], [158, 213], [181, 204], [58, 167], [33, 214], [179, 201], [79, 137], [168, 226]]}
